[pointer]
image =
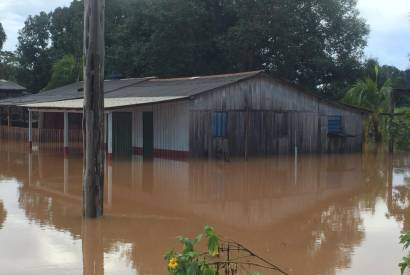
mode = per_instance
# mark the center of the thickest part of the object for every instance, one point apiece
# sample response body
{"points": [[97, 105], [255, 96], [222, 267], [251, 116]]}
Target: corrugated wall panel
{"points": [[171, 125]]}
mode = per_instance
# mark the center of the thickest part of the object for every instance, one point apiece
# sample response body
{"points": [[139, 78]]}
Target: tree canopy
{"points": [[2, 36], [64, 71], [315, 43], [33, 52]]}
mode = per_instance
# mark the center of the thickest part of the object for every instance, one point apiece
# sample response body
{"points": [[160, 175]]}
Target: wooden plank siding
{"points": [[267, 117], [263, 117]]}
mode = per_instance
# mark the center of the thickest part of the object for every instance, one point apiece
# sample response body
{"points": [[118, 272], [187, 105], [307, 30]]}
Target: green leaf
{"points": [[209, 230], [405, 263], [213, 245], [193, 269], [198, 238], [169, 254], [206, 270], [403, 267]]}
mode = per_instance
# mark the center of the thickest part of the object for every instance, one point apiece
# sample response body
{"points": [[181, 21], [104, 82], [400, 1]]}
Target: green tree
{"points": [[315, 43], [373, 95], [2, 36], [65, 71], [405, 241], [66, 30], [33, 52], [312, 43], [8, 65]]}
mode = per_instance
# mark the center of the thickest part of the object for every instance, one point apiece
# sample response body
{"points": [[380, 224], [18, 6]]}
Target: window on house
{"points": [[334, 124], [219, 124]]}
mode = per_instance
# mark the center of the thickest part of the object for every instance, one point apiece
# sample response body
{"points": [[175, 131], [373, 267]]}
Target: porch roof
{"points": [[109, 103], [68, 92], [6, 85]]}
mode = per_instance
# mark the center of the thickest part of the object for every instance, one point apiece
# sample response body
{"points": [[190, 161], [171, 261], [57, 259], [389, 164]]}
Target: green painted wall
{"points": [[122, 134]]}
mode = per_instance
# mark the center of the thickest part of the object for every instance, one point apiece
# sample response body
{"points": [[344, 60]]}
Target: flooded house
{"points": [[10, 89], [236, 114]]}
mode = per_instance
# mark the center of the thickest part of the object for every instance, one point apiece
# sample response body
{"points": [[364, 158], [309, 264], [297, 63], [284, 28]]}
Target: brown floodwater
{"points": [[329, 214]]}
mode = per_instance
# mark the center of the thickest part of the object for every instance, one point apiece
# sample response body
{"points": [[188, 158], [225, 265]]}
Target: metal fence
{"points": [[41, 135]]}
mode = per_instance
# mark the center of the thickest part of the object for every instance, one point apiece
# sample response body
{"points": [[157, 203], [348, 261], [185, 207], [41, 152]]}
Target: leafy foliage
{"points": [[33, 53], [65, 71], [313, 42], [2, 36], [369, 93], [405, 241], [218, 259], [400, 128], [189, 261], [8, 65]]}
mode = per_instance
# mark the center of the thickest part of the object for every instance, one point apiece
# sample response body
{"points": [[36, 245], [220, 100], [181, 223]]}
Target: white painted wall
{"points": [[171, 125]]}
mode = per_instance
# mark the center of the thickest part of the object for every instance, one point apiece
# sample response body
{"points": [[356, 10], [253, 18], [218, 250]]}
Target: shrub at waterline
{"points": [[221, 257], [405, 241]]}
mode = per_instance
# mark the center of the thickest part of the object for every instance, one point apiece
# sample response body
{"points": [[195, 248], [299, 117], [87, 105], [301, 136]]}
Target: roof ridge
{"points": [[248, 73]]}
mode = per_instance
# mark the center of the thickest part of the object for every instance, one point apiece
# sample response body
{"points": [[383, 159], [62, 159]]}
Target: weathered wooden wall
{"points": [[267, 117]]}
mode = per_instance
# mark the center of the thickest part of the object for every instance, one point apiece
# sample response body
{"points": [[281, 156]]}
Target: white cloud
{"points": [[385, 15], [13, 13], [389, 38]]}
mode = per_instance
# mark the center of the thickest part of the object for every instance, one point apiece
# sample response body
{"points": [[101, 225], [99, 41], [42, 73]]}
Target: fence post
{"points": [[109, 135], [30, 131], [66, 134]]}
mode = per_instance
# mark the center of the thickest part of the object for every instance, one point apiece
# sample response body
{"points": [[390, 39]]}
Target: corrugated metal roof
{"points": [[70, 91], [181, 87], [137, 91], [147, 90], [109, 103], [10, 86]]}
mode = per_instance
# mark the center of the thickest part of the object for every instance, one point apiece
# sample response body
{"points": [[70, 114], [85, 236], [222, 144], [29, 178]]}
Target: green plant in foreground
{"points": [[191, 262], [217, 259], [405, 263]]}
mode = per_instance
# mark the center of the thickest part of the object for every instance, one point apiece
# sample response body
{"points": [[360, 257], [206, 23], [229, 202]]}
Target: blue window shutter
{"points": [[219, 124], [334, 124]]}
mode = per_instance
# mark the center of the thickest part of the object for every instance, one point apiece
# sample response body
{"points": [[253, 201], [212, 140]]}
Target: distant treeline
{"points": [[316, 43]]}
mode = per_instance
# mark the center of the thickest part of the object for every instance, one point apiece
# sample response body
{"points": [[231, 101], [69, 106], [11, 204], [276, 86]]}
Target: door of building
{"points": [[148, 134]]}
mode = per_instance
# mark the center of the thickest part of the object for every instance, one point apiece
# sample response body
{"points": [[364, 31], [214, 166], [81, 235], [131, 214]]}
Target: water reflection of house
{"points": [[237, 114], [153, 201]]}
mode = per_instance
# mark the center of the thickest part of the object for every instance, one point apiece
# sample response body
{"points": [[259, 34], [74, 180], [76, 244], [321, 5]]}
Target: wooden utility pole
{"points": [[93, 112]]}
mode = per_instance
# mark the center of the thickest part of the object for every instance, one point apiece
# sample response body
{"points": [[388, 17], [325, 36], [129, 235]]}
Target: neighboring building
{"points": [[233, 114], [10, 89]]}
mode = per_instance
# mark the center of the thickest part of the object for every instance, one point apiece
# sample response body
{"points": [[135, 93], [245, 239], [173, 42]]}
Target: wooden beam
{"points": [[133, 132], [8, 118], [109, 136], [30, 130], [93, 118], [66, 135], [66, 173], [105, 130]]}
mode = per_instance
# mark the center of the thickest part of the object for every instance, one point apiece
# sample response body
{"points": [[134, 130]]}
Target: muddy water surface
{"points": [[338, 214]]}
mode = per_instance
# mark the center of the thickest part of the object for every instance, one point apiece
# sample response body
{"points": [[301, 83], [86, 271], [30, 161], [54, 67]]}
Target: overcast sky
{"points": [[389, 39]]}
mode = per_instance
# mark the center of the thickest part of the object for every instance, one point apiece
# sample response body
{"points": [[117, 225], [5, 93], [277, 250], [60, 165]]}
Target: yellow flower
{"points": [[172, 264]]}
